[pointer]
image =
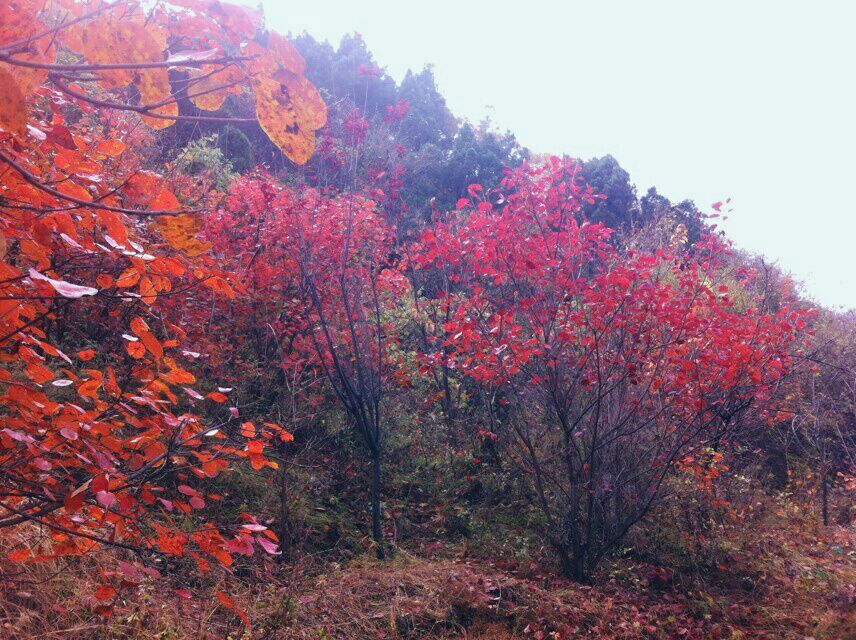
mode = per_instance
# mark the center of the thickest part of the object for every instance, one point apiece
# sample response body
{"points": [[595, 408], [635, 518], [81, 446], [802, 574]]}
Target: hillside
{"points": [[290, 351]]}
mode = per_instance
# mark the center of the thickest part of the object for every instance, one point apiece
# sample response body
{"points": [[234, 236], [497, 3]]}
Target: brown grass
{"points": [[787, 584]]}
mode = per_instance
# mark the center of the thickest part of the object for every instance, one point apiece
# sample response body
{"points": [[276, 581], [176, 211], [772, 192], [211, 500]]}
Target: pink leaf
{"points": [[68, 433], [63, 288], [106, 498], [191, 56], [269, 546], [192, 393]]}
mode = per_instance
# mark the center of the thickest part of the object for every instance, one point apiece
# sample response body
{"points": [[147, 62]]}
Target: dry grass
{"points": [[801, 586]]}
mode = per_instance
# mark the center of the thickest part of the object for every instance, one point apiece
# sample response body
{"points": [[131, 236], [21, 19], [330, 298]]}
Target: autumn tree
{"points": [[343, 259], [103, 440], [609, 371], [264, 333], [319, 267]]}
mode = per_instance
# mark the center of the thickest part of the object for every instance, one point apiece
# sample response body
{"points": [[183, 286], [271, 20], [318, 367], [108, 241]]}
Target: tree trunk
{"points": [[572, 564], [578, 571], [376, 515], [284, 532], [824, 490], [564, 561], [449, 414]]}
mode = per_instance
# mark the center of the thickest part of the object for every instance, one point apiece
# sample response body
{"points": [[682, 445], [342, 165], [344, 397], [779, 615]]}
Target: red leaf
{"points": [[20, 555], [105, 592], [227, 602]]}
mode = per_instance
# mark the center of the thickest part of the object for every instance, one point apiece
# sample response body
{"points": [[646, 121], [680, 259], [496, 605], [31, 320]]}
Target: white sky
{"points": [[752, 99]]}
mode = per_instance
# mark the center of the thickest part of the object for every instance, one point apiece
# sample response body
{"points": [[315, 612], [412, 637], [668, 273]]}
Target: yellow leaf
{"points": [[278, 118], [308, 106], [214, 100], [180, 232]]}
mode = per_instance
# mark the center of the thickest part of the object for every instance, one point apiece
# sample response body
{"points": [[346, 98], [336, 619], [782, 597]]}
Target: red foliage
{"points": [[607, 368]]}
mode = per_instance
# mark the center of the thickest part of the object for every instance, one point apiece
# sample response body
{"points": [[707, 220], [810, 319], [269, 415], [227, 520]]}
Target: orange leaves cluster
{"points": [[96, 391], [18, 22], [121, 46], [110, 40]]}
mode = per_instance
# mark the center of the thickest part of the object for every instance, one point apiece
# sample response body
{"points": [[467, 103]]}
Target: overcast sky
{"points": [[749, 99]]}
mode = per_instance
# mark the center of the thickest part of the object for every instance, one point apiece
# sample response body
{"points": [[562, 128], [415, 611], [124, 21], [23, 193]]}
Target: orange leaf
{"points": [[141, 330], [104, 280], [148, 293], [74, 190], [214, 99], [109, 40], [13, 108], [180, 232], [309, 108], [129, 278], [165, 199], [136, 349], [111, 147], [115, 228]]}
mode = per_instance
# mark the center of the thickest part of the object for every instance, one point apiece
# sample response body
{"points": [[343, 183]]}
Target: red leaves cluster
{"points": [[281, 239], [535, 289], [609, 367]]}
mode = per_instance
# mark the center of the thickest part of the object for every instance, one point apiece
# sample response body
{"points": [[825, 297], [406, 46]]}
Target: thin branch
{"points": [[33, 180]]}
